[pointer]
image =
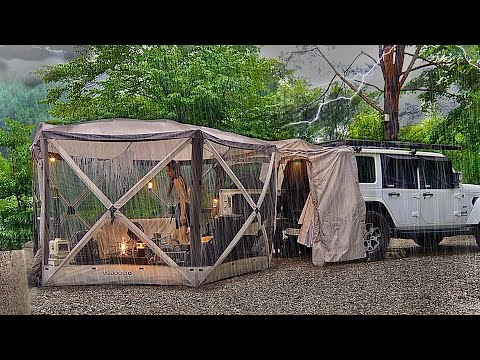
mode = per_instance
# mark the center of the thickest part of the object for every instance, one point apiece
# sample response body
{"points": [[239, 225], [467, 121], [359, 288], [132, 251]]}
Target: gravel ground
{"points": [[14, 289], [410, 281]]}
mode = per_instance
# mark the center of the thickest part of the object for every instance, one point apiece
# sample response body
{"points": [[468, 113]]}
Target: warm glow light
{"points": [[214, 207], [53, 157], [140, 245], [150, 185], [123, 247]]}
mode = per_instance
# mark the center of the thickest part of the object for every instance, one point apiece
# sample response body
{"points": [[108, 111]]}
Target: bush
{"points": [[16, 223]]}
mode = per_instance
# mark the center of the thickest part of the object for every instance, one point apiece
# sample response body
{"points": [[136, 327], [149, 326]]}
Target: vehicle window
{"points": [[366, 169], [436, 173], [399, 172]]}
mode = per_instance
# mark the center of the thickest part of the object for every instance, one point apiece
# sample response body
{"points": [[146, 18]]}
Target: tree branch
{"points": [[132, 91], [369, 56], [410, 66], [368, 84], [429, 62], [357, 91], [422, 66], [433, 90], [297, 52]]}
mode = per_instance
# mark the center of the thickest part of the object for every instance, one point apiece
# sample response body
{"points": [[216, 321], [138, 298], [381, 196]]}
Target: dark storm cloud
{"points": [[3, 71], [36, 52], [18, 62], [3, 66]]}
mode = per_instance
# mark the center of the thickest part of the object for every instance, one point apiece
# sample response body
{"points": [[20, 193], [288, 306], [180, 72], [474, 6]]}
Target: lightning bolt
{"points": [[362, 83], [465, 55]]}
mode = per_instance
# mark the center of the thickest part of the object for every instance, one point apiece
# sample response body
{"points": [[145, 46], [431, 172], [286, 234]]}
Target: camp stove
{"points": [[59, 249]]}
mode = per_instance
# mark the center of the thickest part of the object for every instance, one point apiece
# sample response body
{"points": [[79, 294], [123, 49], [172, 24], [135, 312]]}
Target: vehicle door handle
{"points": [[393, 194], [425, 194]]}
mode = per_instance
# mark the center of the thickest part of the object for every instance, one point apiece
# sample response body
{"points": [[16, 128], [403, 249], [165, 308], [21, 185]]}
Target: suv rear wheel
{"points": [[428, 241], [376, 237]]}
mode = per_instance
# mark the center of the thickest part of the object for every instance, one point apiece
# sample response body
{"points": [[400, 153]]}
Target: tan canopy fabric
{"points": [[109, 138], [339, 208], [96, 177], [103, 176]]}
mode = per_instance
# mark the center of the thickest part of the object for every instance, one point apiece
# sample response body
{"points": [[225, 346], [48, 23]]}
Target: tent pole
{"points": [[45, 211], [196, 199]]}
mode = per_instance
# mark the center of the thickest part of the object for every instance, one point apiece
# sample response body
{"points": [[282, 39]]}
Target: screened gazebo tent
{"points": [[102, 203]]}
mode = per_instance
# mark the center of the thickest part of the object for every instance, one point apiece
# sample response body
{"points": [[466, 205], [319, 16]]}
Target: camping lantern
{"points": [[52, 157], [214, 207], [123, 247]]}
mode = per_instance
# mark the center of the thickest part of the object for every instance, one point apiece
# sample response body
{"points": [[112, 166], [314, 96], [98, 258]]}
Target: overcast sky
{"points": [[363, 60], [19, 61], [317, 71]]}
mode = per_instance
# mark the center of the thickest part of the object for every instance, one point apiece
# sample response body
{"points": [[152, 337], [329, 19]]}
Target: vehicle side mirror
{"points": [[457, 179]]}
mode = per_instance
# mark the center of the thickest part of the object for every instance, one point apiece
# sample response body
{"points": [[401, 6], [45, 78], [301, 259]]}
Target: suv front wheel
{"points": [[376, 237], [477, 235]]}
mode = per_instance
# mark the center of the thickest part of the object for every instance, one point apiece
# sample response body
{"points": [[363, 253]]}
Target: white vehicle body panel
{"points": [[420, 208]]}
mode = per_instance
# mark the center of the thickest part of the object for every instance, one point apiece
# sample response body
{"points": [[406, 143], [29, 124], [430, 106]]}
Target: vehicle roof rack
{"points": [[388, 144]]}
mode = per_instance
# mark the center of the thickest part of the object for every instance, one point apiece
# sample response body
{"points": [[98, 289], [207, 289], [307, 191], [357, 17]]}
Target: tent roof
{"points": [[143, 130], [292, 148], [295, 144]]}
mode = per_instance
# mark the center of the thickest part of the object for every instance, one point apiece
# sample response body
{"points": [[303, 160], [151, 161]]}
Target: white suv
{"points": [[412, 194]]}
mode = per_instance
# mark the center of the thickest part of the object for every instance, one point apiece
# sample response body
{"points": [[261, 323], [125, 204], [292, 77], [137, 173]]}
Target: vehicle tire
{"points": [[377, 236], [477, 235], [428, 241]]}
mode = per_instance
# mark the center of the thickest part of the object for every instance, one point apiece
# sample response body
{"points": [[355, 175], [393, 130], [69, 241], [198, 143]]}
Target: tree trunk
{"points": [[391, 62]]}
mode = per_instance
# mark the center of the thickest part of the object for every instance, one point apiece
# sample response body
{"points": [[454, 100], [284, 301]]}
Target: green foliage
{"points": [[419, 132], [22, 103], [462, 127], [454, 76], [220, 86], [16, 175], [16, 224], [282, 115], [468, 163], [366, 125], [454, 79]]}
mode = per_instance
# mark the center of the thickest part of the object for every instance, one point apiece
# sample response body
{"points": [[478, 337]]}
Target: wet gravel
{"points": [[14, 289], [411, 281]]}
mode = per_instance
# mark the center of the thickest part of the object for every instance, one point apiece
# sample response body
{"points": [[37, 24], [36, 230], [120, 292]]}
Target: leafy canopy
{"points": [[15, 185], [22, 103], [228, 87]]}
